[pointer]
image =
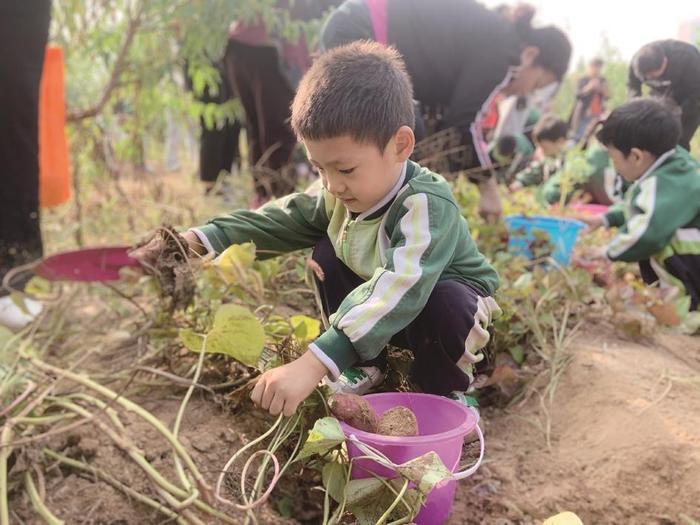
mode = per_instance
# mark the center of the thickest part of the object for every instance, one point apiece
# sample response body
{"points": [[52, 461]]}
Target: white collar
{"points": [[656, 164], [388, 197]]}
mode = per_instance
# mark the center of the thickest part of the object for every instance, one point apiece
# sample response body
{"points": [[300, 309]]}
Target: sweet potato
{"points": [[354, 411], [398, 421]]}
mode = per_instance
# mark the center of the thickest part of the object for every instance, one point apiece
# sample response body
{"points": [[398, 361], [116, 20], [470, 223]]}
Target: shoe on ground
{"points": [[14, 317], [358, 381]]}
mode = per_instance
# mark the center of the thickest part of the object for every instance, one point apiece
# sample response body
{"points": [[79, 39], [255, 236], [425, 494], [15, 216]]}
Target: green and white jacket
{"points": [[415, 237], [661, 211]]}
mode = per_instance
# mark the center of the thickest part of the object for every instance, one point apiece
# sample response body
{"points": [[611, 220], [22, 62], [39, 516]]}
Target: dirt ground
{"points": [[625, 441], [625, 448]]}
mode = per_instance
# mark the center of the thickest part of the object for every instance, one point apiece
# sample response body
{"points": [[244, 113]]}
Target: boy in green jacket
{"points": [[392, 255], [550, 136], [512, 153], [659, 221]]}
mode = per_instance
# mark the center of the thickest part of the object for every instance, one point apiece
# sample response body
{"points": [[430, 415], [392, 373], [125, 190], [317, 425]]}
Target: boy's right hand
{"points": [[593, 222], [148, 253]]}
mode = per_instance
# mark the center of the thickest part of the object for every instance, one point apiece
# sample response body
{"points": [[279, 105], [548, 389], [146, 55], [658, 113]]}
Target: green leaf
{"points": [[235, 262], [38, 286], [369, 498], [267, 269], [425, 471], [517, 353], [18, 301], [192, 340], [325, 435], [524, 281], [305, 328], [334, 476], [236, 333], [358, 491], [285, 507], [7, 353]]}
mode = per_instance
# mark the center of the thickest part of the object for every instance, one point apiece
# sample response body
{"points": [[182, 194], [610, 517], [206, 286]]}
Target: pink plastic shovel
{"points": [[88, 265]]}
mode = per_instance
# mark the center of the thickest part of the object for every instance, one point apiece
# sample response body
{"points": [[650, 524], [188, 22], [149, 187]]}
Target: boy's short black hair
{"points": [[361, 89], [550, 128], [505, 146], [597, 62], [649, 124], [648, 58]]}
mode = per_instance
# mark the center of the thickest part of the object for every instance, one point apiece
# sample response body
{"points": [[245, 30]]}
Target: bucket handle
{"points": [[387, 463], [471, 470]]}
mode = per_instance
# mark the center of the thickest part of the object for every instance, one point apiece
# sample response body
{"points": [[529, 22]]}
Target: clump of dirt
{"points": [[398, 421], [173, 269]]}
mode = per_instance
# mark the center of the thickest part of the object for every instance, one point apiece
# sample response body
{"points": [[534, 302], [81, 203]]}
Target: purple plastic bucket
{"points": [[442, 426]]}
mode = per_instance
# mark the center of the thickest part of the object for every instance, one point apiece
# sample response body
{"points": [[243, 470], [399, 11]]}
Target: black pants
{"points": [[218, 147], [685, 268], [24, 28], [436, 337], [254, 73]]}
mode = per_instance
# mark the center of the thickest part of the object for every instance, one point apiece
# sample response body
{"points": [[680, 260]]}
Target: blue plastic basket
{"points": [[562, 235]]}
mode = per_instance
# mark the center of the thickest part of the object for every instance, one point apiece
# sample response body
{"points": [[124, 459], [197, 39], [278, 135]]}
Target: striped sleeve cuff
{"points": [[333, 370], [203, 239], [335, 350], [216, 241]]}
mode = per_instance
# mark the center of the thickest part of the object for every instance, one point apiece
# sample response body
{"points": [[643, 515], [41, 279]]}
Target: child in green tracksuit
{"points": [[659, 221], [550, 136], [511, 153], [598, 179], [598, 183], [392, 255]]}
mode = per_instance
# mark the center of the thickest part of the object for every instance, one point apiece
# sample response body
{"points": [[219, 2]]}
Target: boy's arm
{"points": [[550, 192], [422, 245], [285, 225], [656, 213], [615, 216]]}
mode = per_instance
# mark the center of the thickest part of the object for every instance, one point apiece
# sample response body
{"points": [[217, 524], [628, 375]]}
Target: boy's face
{"points": [[632, 166], [359, 174], [552, 148]]}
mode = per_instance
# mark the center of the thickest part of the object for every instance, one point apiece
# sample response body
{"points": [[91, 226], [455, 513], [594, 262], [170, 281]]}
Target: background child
{"points": [[597, 183], [512, 153], [659, 222], [550, 137], [394, 258]]}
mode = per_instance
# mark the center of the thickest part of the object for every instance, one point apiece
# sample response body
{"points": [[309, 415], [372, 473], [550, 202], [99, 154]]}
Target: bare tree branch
{"points": [[119, 66]]}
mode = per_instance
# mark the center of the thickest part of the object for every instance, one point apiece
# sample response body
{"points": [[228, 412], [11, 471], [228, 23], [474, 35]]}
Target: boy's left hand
{"points": [[599, 253], [283, 389]]}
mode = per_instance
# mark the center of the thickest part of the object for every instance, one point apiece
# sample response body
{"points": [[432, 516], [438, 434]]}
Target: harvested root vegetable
{"points": [[355, 411], [398, 421], [172, 268]]}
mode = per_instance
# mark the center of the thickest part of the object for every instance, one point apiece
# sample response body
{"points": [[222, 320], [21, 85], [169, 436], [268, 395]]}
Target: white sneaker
{"points": [[13, 317], [357, 381]]}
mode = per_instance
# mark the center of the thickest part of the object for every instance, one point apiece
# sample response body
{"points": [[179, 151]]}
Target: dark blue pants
{"points": [[436, 337]]}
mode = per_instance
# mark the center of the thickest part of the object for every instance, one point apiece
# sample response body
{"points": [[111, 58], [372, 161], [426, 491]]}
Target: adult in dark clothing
{"points": [[671, 69], [218, 145], [460, 55], [264, 69], [591, 93], [24, 30]]}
